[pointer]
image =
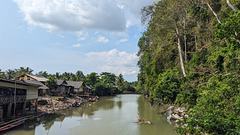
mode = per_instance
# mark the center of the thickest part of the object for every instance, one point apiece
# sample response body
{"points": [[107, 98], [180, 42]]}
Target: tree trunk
{"points": [[231, 6], [180, 50], [213, 12], [196, 40], [185, 38]]}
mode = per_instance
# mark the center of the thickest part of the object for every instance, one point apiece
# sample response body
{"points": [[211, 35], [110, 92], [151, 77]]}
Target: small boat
{"points": [[93, 99], [11, 124], [76, 104]]}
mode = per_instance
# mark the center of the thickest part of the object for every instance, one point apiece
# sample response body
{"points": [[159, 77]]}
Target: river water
{"points": [[108, 116]]}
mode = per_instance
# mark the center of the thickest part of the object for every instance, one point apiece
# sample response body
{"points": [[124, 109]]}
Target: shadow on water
{"points": [[159, 124]]}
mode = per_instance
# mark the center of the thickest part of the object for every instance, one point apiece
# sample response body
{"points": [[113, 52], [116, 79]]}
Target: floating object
{"points": [[16, 122], [92, 99], [141, 121]]}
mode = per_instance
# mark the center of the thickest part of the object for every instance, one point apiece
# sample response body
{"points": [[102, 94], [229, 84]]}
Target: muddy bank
{"points": [[52, 104]]}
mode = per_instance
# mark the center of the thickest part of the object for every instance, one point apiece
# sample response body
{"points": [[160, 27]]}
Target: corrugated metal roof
{"points": [[62, 82], [18, 82], [75, 84], [42, 86], [38, 77]]}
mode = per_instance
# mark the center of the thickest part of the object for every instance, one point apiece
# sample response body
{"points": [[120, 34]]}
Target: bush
{"points": [[217, 109], [167, 87]]}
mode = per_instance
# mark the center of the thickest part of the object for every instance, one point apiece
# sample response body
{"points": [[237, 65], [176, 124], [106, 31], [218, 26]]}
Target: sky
{"points": [[71, 35]]}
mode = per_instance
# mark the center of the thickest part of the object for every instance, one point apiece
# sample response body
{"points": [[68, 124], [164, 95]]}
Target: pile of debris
{"points": [[51, 105]]}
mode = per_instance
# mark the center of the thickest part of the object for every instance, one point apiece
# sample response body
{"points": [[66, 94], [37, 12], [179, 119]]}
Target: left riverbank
{"points": [[51, 105]]}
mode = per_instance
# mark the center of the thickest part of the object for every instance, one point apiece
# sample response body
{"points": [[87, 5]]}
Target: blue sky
{"points": [[70, 35]]}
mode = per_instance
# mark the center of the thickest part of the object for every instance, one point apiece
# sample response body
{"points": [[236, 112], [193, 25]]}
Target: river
{"points": [[108, 116]]}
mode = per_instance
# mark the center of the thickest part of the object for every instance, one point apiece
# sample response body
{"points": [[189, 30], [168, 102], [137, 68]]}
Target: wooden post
{"points": [[1, 114], [24, 107], [9, 112], [36, 106]]}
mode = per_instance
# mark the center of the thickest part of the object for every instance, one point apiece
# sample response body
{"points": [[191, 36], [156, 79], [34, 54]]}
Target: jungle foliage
{"points": [[190, 56]]}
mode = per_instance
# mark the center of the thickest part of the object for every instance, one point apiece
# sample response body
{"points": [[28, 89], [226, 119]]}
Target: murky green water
{"points": [[108, 116]]}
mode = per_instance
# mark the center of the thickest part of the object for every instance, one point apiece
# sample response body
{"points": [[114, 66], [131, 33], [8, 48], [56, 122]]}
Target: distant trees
{"points": [[104, 83], [51, 83], [92, 79], [12, 73]]}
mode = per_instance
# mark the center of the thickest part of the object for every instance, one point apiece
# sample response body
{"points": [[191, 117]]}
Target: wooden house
{"points": [[79, 87], [32, 77], [15, 96], [35, 79], [42, 89], [63, 88]]}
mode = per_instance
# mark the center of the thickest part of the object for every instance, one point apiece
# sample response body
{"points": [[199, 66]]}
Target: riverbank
{"points": [[51, 105], [175, 114], [129, 92]]}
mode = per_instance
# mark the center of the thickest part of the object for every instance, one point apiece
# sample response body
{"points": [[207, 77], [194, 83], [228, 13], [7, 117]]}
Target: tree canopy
{"points": [[189, 56]]}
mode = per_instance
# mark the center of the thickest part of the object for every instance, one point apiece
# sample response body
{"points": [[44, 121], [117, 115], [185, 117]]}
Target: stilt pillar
{"points": [[36, 106], [1, 114], [9, 111], [24, 107]]}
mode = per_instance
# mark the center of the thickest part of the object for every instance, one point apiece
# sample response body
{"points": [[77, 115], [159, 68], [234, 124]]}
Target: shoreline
{"points": [[51, 105]]}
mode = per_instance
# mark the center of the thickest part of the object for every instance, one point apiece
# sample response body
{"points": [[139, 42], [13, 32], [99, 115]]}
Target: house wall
{"points": [[32, 93], [61, 89], [81, 88]]}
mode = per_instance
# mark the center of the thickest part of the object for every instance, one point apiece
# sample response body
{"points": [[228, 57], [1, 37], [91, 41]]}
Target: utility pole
{"points": [[15, 91]]}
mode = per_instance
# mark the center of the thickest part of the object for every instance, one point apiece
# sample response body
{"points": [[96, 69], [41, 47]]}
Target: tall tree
{"points": [[43, 73], [80, 76], [11, 74], [92, 79], [120, 80], [23, 70], [51, 83], [108, 78], [2, 74]]}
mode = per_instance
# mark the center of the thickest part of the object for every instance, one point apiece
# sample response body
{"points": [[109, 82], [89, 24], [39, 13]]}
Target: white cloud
{"points": [[132, 10], [78, 15], [77, 45], [73, 15], [113, 61], [81, 38], [122, 40], [102, 39]]}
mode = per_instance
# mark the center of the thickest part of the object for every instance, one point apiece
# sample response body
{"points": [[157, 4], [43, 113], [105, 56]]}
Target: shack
{"points": [[15, 97], [80, 88], [63, 88]]}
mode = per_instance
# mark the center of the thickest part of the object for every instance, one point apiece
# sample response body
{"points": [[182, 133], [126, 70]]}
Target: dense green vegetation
{"points": [[190, 56], [104, 84]]}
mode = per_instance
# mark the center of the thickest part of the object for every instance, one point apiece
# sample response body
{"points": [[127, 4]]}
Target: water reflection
{"points": [[110, 115]]}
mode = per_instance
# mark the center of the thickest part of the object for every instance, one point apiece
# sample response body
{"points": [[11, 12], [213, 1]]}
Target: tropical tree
{"points": [[43, 73], [23, 70], [120, 82], [51, 83], [79, 76], [92, 79], [2, 74], [108, 78]]}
